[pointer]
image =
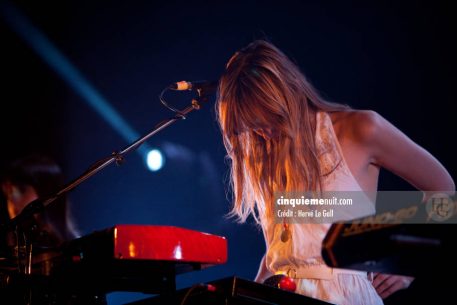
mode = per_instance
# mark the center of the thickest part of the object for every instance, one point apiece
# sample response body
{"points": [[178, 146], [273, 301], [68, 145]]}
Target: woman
{"points": [[280, 135]]}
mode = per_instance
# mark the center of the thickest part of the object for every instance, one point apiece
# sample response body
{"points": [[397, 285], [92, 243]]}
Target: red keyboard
{"points": [[143, 258], [166, 243]]}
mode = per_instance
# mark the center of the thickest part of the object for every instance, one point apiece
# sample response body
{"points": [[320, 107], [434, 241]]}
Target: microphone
{"points": [[203, 87]]}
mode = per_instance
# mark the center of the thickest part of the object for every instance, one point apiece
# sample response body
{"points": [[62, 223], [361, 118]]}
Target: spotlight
{"points": [[155, 160]]}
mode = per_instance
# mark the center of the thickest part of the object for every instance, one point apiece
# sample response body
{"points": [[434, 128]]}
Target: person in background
{"points": [[21, 182], [39, 176]]}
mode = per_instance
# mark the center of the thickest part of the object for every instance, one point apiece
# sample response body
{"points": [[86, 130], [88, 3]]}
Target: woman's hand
{"points": [[386, 284]]}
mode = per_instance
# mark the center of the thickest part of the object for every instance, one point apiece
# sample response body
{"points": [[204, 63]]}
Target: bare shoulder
{"points": [[387, 146], [357, 125]]}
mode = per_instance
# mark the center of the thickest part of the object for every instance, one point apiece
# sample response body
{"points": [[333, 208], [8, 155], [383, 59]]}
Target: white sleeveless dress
{"points": [[300, 257]]}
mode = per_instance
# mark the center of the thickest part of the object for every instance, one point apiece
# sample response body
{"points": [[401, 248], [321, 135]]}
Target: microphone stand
{"points": [[38, 205]]}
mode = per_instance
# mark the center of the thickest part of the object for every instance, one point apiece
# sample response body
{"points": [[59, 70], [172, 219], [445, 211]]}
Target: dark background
{"points": [[395, 57]]}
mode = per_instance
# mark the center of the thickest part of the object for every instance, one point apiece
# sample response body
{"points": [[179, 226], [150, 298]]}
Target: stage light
{"points": [[38, 41], [155, 160]]}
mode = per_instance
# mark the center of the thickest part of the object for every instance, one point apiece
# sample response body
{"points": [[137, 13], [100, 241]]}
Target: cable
{"points": [[162, 100]]}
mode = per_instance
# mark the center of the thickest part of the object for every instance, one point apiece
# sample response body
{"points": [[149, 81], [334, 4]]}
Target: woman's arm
{"points": [[263, 272], [391, 149]]}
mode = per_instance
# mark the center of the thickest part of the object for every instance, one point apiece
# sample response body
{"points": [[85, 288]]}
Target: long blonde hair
{"points": [[267, 110]]}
